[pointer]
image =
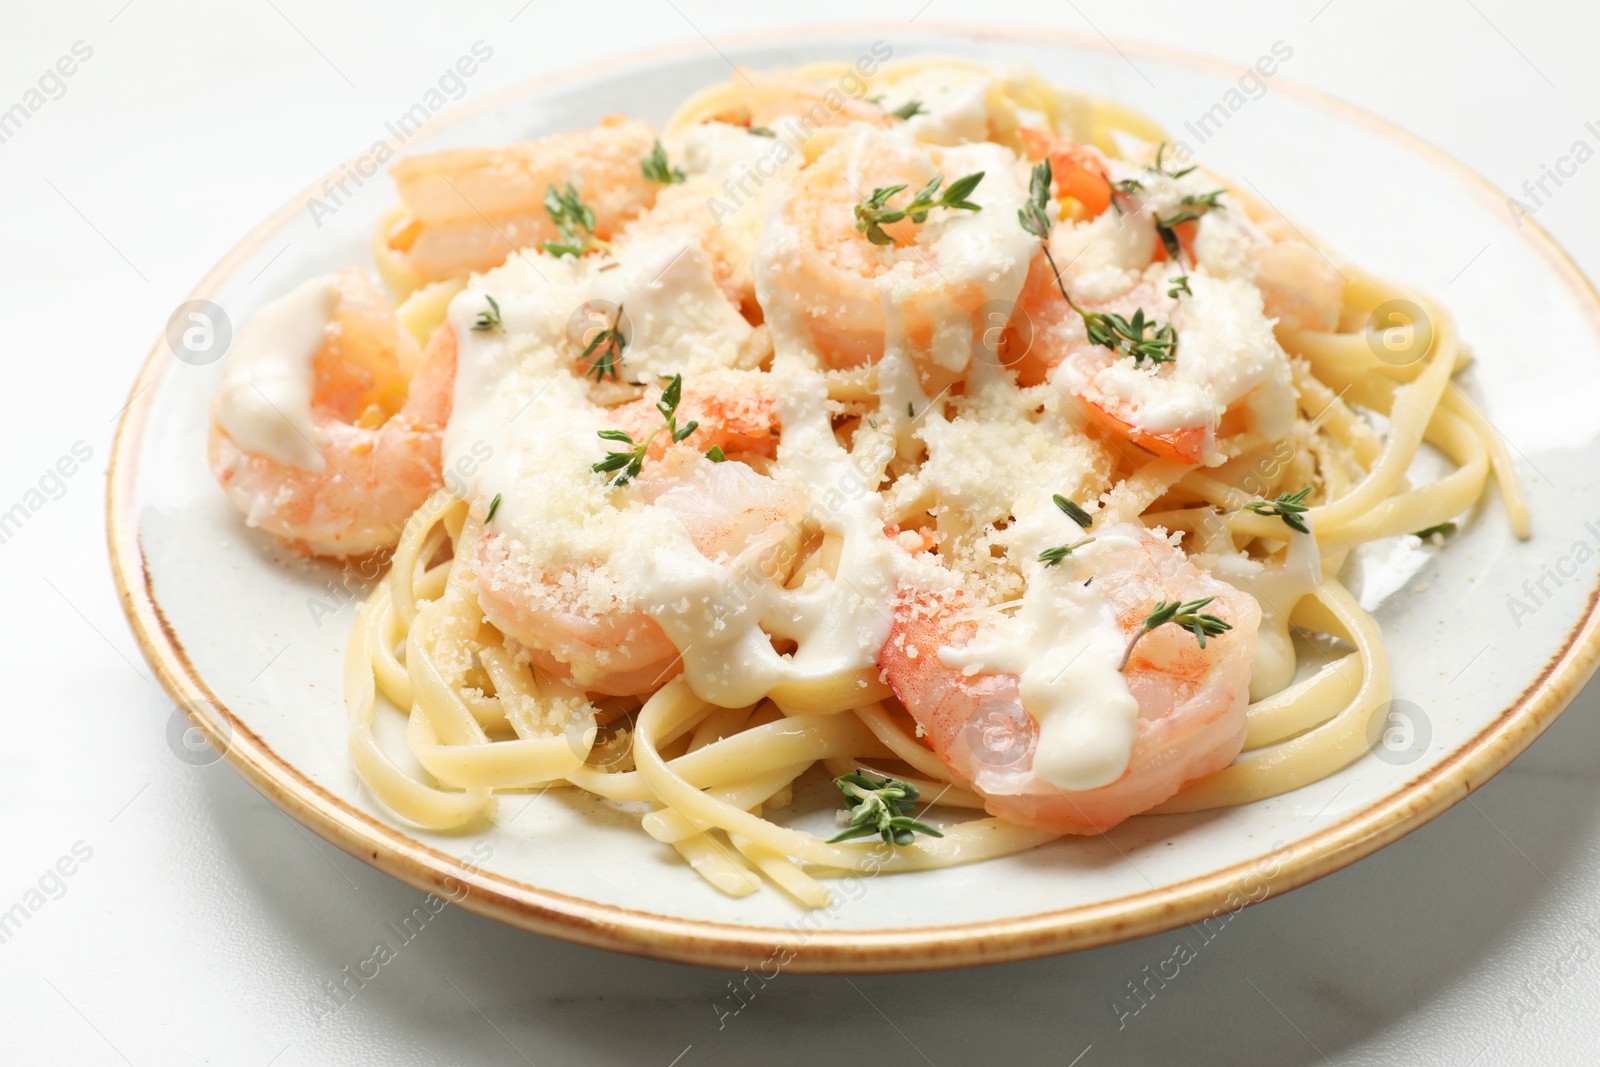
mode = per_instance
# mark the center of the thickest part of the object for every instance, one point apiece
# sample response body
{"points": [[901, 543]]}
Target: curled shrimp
{"points": [[1223, 373], [729, 176], [921, 291], [1191, 700], [466, 209], [575, 624], [344, 483], [1048, 341]]}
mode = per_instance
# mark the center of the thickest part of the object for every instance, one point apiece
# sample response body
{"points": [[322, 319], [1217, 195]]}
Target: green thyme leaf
{"points": [[1034, 218], [1051, 556], [573, 218], [604, 351], [1287, 506], [656, 169], [489, 320], [1187, 616], [630, 462], [1125, 337], [1073, 511], [882, 808], [874, 212]]}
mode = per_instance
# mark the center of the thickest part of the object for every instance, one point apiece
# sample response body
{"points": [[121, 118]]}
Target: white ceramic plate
{"points": [[249, 641]]}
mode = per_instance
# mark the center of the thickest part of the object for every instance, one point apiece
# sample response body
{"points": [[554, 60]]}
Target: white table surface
{"points": [[204, 926]]}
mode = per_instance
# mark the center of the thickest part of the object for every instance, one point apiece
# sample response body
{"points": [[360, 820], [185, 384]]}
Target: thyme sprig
{"points": [[1125, 337], [1190, 208], [909, 110], [1033, 216], [573, 218], [494, 506], [880, 807], [1129, 188], [625, 466], [604, 351], [874, 212], [1180, 284], [657, 169], [489, 320], [1161, 169], [1187, 616], [1051, 556], [1286, 506]]}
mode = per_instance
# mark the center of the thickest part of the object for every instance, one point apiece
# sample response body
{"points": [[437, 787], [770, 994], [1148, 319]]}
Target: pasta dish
{"points": [[913, 425]]}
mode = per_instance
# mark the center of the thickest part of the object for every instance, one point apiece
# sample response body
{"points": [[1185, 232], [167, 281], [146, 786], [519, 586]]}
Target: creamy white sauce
{"points": [[842, 620], [1164, 402], [954, 104], [1064, 645], [982, 250], [264, 401], [901, 399], [718, 150], [1277, 589], [1002, 454], [1103, 257], [516, 391], [1226, 347]]}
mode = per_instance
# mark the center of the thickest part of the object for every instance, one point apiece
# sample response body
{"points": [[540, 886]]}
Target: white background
{"points": [[205, 925]]}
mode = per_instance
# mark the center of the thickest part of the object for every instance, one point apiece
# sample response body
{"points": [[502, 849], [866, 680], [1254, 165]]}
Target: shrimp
{"points": [[575, 626], [1191, 700], [466, 209], [765, 99], [1115, 394], [1224, 374], [1299, 288], [921, 292], [370, 439], [735, 410], [1047, 341], [729, 177]]}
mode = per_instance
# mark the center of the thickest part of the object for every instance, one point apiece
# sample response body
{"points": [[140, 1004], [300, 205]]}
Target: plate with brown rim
{"points": [[1490, 637]]}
